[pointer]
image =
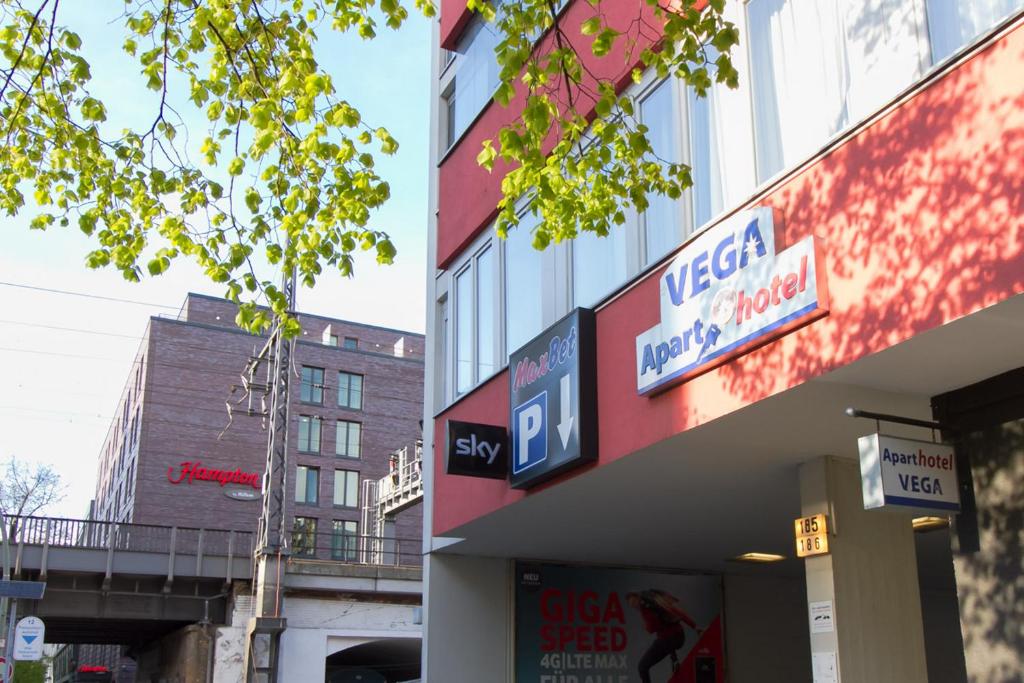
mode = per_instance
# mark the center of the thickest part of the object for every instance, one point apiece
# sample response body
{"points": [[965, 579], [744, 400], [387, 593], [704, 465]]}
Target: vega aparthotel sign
{"points": [[727, 292], [906, 473]]}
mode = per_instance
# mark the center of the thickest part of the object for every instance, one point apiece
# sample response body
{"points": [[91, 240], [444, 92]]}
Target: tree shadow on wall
{"points": [[922, 219], [990, 581]]}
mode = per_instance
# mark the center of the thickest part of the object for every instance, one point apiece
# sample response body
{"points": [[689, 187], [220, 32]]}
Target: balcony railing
{"points": [[357, 549]]}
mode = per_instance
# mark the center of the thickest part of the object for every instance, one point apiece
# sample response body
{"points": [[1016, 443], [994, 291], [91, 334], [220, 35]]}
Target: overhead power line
{"points": [[87, 295], [69, 329]]}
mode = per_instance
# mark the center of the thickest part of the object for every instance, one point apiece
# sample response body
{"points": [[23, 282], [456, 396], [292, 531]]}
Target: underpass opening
{"points": [[391, 660]]}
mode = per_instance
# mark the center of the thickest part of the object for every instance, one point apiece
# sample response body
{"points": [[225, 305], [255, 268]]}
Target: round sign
{"points": [[723, 306]]}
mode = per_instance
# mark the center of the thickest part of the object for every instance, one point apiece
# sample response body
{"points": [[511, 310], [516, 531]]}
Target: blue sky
{"points": [[62, 385]]}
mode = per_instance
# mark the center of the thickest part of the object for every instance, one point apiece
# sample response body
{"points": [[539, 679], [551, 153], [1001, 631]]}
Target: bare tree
{"points": [[26, 489]]}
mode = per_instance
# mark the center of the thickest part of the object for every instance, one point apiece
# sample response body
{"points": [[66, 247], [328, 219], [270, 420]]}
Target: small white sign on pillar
{"points": [[28, 639], [906, 473], [822, 619], [824, 668]]}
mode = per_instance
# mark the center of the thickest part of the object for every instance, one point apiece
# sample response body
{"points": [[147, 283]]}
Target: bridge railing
{"points": [[55, 532], [381, 551], [307, 541]]}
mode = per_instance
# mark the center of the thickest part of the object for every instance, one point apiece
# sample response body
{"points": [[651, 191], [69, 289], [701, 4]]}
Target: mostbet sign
{"points": [[727, 292], [554, 400]]}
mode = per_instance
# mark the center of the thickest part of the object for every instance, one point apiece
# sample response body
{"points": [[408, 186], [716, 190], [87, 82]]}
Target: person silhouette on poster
{"points": [[667, 621]]}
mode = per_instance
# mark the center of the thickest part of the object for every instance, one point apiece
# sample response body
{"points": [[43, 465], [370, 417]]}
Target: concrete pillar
{"points": [[468, 625], [870, 579]]}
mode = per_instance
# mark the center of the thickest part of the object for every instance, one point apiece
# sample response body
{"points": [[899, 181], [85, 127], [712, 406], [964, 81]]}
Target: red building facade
{"points": [[896, 144]]}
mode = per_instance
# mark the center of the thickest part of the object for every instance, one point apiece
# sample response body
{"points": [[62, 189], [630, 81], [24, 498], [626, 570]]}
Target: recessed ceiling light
{"points": [[758, 558], [922, 524]]}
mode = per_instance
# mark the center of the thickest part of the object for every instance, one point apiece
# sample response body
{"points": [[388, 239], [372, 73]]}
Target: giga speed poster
{"points": [[606, 625]]}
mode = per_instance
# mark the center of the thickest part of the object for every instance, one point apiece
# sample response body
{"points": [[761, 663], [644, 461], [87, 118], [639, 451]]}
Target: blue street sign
{"points": [[22, 590]]}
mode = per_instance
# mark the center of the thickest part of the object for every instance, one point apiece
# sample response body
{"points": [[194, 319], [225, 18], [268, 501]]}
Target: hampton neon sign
{"points": [[190, 471], [726, 293]]}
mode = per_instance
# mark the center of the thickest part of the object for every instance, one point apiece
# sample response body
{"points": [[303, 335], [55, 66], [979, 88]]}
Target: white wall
{"points": [[468, 623], [318, 628]]}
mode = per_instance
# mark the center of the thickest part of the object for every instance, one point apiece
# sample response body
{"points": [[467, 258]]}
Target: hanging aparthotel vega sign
{"points": [[727, 292]]}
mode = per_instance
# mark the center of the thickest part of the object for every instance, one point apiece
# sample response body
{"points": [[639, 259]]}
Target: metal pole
{"points": [[11, 616], [264, 630], [273, 537], [897, 419], [7, 606]]}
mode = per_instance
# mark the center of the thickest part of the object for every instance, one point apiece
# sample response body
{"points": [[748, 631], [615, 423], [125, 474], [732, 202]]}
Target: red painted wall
{"points": [[467, 194], [922, 217], [454, 17]]}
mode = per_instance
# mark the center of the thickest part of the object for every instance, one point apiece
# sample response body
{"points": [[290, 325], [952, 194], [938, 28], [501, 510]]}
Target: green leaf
{"points": [[591, 26]]}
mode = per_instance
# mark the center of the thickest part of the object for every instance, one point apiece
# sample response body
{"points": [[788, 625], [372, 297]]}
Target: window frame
{"points": [[315, 472], [312, 385], [469, 263], [359, 440], [339, 551], [343, 474], [681, 125], [300, 549], [319, 434], [362, 390]]}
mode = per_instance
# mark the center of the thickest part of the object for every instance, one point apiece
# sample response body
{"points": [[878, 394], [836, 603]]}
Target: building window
{"points": [[819, 67], [350, 391], [663, 220], [598, 265], [721, 147], [464, 330], [312, 390], [485, 286], [346, 488], [307, 485], [524, 316], [345, 540], [332, 340], [351, 343], [441, 360], [309, 434], [475, 80], [346, 445], [304, 537], [476, 301], [954, 23]]}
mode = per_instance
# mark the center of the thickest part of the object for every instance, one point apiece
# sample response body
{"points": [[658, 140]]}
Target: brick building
{"points": [[173, 456]]}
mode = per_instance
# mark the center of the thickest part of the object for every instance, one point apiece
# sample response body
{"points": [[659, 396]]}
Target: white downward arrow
{"points": [[565, 426]]}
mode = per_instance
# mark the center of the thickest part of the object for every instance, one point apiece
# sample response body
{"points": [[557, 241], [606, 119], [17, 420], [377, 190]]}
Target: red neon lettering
{"points": [[194, 471]]}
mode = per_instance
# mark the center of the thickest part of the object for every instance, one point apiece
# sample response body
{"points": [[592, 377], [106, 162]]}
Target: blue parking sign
{"points": [[530, 433], [553, 401]]}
